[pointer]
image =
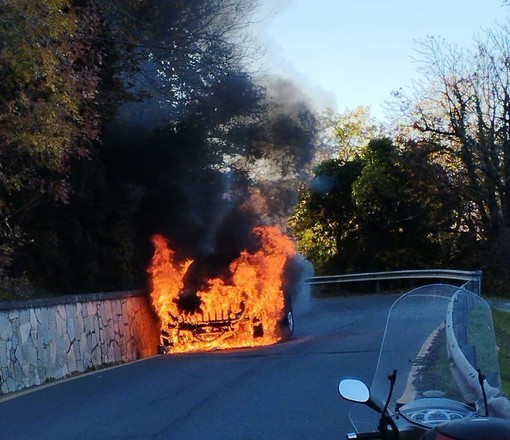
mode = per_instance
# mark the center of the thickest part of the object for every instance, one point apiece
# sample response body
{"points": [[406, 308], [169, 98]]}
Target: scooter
{"points": [[437, 375]]}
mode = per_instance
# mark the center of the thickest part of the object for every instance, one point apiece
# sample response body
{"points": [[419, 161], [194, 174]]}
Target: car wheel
{"points": [[290, 321], [287, 322]]}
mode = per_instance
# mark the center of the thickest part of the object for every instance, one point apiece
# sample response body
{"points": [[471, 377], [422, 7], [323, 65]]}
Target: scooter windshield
{"points": [[436, 338]]}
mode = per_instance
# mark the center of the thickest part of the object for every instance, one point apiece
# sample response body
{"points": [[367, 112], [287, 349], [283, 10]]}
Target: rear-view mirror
{"points": [[354, 390]]}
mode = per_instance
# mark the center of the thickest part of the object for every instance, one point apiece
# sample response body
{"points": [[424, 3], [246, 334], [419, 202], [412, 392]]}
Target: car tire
{"points": [[287, 323], [290, 321]]}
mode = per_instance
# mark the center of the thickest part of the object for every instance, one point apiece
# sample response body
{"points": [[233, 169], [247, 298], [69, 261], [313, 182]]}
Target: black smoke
{"points": [[190, 153], [177, 174]]}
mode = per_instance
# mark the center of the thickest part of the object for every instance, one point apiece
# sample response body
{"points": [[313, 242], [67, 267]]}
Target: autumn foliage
{"points": [[124, 119], [48, 114]]}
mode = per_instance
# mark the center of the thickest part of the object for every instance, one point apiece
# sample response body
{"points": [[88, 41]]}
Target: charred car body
{"points": [[196, 325], [208, 327]]}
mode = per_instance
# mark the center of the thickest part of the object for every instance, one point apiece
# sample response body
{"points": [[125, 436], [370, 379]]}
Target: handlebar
{"points": [[364, 436]]}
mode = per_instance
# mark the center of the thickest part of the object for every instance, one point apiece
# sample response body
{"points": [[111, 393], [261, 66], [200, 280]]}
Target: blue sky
{"points": [[347, 53]]}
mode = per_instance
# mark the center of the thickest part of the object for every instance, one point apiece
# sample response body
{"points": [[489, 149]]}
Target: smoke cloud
{"points": [[209, 156]]}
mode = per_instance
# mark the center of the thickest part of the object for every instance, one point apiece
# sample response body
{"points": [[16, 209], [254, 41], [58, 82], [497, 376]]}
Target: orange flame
{"points": [[243, 311]]}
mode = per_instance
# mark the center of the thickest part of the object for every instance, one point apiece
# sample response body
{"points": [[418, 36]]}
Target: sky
{"points": [[346, 53]]}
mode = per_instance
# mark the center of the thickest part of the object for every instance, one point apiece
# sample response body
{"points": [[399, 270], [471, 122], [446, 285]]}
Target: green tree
{"points": [[344, 135], [353, 130], [387, 209], [404, 212], [324, 220]]}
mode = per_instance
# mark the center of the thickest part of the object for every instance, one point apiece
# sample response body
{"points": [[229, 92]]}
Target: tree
{"points": [[173, 51], [176, 134], [403, 209], [461, 109], [353, 130], [343, 135], [386, 209], [324, 219], [48, 111]]}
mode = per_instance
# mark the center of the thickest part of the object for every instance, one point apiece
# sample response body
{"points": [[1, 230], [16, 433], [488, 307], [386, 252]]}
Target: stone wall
{"points": [[46, 339]]}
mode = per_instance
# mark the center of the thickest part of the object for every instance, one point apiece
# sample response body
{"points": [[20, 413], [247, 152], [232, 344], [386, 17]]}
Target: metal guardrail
{"points": [[474, 277]]}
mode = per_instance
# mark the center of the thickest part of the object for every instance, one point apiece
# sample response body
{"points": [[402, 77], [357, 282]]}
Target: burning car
{"points": [[219, 301], [213, 330]]}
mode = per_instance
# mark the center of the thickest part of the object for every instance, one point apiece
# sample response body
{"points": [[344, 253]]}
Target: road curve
{"points": [[286, 391]]}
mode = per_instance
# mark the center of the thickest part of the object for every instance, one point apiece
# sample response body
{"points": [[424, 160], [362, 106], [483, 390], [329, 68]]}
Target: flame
{"points": [[243, 310]]}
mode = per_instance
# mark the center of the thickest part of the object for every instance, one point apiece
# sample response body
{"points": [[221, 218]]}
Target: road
{"points": [[285, 391]]}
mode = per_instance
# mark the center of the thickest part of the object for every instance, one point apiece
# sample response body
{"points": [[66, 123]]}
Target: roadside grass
{"points": [[501, 320], [479, 334], [435, 371]]}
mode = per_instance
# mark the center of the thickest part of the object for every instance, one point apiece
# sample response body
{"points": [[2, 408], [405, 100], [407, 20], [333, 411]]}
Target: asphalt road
{"points": [[286, 391]]}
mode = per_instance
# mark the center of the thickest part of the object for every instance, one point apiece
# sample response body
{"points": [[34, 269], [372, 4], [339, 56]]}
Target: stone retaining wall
{"points": [[46, 339]]}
